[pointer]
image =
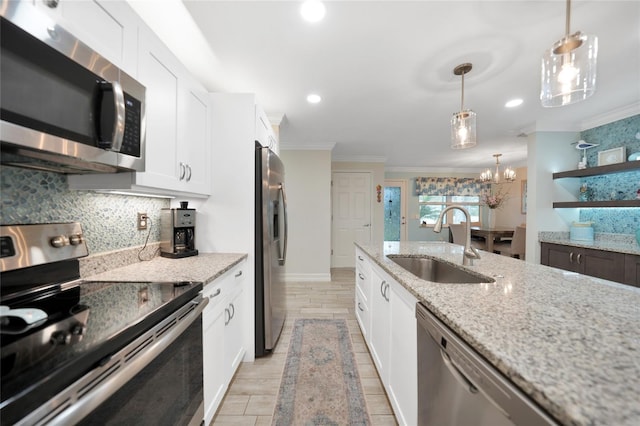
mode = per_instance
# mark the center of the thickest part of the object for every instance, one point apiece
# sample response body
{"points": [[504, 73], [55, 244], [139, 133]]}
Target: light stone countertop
{"points": [[569, 341], [205, 267]]}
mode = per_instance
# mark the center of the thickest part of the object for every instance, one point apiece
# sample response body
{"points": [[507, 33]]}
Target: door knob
{"points": [[366, 225]]}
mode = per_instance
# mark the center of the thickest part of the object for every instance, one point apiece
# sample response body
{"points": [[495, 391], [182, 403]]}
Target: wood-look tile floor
{"points": [[251, 397]]}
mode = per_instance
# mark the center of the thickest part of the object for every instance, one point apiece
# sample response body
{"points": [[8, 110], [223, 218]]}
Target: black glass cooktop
{"points": [[86, 324]]}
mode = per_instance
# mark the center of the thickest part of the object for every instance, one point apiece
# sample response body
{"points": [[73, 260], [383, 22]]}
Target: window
{"points": [[430, 206]]}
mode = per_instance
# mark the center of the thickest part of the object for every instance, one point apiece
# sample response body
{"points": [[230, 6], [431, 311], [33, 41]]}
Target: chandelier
{"points": [[569, 68], [488, 176], [463, 123]]}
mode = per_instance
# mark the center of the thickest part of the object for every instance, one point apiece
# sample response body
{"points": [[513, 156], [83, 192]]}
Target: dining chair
{"points": [[515, 247], [458, 234]]}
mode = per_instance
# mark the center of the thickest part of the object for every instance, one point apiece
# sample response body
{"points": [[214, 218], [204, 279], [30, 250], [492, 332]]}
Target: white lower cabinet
{"points": [[392, 340], [403, 356], [234, 349], [222, 340], [380, 324]]}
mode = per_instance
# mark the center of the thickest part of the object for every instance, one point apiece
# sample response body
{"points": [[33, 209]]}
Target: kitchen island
{"points": [[569, 341]]}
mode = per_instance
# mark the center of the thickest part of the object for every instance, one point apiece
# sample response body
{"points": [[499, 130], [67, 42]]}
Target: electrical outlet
{"points": [[142, 221]]}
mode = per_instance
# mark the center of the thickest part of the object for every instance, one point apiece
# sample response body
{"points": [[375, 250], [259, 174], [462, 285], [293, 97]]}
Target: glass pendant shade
{"points": [[463, 129], [569, 68]]}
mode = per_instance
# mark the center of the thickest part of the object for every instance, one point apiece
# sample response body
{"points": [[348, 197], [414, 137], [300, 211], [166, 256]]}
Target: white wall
{"points": [[549, 152], [308, 186]]}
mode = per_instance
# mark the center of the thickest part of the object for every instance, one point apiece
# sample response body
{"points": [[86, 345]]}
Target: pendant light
{"points": [[488, 176], [569, 68], [463, 123]]}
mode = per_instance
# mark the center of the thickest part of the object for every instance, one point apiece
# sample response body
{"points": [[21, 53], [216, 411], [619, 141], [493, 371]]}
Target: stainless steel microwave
{"points": [[63, 106]]}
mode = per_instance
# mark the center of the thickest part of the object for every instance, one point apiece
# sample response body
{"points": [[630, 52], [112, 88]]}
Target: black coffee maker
{"points": [[178, 232]]}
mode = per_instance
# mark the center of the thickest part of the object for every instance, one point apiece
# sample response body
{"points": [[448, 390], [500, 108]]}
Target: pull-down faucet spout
{"points": [[470, 252]]}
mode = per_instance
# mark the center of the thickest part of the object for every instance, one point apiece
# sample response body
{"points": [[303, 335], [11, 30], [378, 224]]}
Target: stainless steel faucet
{"points": [[469, 252]]}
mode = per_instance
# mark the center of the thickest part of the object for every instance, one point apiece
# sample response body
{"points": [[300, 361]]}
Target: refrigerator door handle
{"points": [[282, 259]]}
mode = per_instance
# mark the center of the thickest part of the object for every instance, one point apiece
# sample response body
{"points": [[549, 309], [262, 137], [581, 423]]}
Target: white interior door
{"points": [[395, 210], [351, 214]]}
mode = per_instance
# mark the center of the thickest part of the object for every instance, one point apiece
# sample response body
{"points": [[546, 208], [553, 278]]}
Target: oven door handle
{"points": [[122, 367]]}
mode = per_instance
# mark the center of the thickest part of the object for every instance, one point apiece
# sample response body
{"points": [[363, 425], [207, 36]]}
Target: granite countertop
{"points": [[569, 341], [205, 267]]}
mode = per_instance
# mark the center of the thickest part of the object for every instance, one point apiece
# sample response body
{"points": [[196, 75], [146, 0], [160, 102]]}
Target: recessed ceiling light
{"points": [[513, 103], [313, 98], [312, 10]]}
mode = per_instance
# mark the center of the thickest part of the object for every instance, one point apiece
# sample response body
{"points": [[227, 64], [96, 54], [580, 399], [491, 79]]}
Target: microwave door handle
{"points": [[117, 135], [286, 226]]}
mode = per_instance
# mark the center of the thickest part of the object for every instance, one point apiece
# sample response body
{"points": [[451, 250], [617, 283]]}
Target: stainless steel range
{"points": [[92, 352]]}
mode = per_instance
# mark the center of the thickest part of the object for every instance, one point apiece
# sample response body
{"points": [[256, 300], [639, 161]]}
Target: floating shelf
{"points": [[587, 204], [600, 170]]}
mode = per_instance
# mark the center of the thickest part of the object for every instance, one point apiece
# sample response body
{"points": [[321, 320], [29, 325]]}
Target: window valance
{"points": [[447, 186]]}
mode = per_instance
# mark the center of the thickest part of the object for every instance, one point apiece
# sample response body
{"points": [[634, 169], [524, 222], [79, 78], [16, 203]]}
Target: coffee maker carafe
{"points": [[178, 232]]}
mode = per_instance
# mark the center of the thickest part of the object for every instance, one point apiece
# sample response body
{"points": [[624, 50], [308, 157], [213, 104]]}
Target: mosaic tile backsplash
{"points": [[108, 220], [621, 186]]}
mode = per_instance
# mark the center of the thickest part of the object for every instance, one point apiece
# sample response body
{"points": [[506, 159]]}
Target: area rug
{"points": [[320, 384]]}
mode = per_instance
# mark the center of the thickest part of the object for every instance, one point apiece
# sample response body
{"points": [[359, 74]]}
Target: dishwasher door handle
{"points": [[456, 372]]}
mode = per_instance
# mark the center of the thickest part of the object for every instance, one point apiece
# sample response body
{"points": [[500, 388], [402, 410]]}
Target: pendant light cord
{"points": [[568, 17], [462, 96]]}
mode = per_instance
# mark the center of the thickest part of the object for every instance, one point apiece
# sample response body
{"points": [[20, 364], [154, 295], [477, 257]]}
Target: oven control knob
{"points": [[59, 241], [60, 338], [77, 330], [75, 239]]}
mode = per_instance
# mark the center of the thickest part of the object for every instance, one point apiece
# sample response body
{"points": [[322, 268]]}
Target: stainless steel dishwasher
{"points": [[456, 386]]}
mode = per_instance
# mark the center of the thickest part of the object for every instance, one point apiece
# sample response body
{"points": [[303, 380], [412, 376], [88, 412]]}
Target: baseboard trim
{"points": [[307, 277]]}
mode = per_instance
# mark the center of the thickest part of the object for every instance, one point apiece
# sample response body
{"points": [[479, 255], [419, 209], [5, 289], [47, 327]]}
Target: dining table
{"points": [[491, 235]]}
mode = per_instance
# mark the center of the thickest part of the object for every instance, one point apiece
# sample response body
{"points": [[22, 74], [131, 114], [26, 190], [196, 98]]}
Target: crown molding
{"points": [[358, 159], [315, 147], [275, 118], [611, 116], [401, 169]]}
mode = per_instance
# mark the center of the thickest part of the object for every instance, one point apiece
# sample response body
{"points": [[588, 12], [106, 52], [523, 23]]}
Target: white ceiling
{"points": [[384, 71]]}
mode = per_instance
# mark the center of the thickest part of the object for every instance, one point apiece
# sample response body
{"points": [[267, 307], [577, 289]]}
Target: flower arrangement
{"points": [[494, 201]]}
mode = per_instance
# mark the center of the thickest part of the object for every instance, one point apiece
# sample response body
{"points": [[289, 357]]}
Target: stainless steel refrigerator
{"points": [[270, 249]]}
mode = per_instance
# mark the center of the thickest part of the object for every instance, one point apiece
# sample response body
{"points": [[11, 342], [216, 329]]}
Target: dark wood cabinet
{"points": [[632, 270], [596, 263]]}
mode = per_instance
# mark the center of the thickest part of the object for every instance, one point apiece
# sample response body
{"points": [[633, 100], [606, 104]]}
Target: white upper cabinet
{"points": [[177, 129], [108, 27], [194, 144], [158, 71]]}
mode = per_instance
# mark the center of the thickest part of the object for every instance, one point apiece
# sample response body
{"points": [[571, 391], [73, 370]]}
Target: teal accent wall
{"points": [[108, 220], [624, 186]]}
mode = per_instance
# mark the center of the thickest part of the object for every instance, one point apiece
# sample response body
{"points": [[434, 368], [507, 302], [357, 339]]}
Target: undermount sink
{"points": [[437, 271]]}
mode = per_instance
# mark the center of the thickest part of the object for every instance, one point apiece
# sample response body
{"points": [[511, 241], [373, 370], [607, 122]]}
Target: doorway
{"points": [[351, 215], [395, 210]]}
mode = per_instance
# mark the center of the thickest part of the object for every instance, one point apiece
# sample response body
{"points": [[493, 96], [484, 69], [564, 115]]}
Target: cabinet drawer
{"points": [[362, 313], [361, 260]]}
